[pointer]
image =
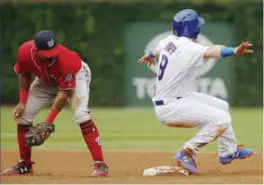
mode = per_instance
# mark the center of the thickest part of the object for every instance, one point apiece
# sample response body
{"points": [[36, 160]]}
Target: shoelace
{"points": [[236, 154]]}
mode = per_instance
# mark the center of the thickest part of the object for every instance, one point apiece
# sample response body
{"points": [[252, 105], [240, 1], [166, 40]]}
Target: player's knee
{"points": [[223, 123], [227, 120], [220, 130], [224, 119], [81, 116]]}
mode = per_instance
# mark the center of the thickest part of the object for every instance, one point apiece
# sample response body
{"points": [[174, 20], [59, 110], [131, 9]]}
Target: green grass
{"points": [[135, 129]]}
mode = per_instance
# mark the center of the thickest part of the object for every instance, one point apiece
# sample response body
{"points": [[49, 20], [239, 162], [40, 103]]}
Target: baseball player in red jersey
{"points": [[60, 75]]}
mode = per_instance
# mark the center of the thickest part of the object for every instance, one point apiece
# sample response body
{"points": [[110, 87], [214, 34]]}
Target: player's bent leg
{"points": [[79, 106], [24, 165], [92, 139], [228, 148], [211, 121], [227, 143], [206, 134], [186, 156], [38, 98]]}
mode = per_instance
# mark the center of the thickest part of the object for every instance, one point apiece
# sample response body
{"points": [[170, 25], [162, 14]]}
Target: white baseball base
{"points": [[164, 170]]}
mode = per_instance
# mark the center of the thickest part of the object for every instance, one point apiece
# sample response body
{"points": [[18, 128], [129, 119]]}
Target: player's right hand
{"points": [[243, 48], [18, 111], [147, 60]]}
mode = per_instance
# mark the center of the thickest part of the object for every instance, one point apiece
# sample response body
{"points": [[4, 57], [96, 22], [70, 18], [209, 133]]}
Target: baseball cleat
{"points": [[21, 168], [100, 169], [241, 153], [186, 162]]}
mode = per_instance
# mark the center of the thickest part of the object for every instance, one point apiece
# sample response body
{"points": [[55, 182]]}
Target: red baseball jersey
{"points": [[60, 73]]}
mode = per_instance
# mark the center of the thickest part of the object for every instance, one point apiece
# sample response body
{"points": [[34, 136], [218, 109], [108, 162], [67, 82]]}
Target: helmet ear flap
{"points": [[178, 28]]}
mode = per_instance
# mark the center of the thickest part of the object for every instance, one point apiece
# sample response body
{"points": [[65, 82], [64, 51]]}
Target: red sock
{"points": [[24, 150], [92, 139]]}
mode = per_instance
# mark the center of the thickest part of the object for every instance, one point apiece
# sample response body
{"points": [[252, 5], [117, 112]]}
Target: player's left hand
{"points": [[147, 60], [39, 133], [18, 111], [243, 48]]}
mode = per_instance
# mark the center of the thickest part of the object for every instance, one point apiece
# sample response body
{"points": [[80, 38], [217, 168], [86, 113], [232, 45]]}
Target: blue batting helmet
{"points": [[186, 23]]}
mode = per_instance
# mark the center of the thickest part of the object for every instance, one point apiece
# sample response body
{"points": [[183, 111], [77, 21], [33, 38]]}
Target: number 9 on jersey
{"points": [[162, 66]]}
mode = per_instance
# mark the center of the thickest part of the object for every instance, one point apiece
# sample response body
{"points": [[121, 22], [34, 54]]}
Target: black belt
{"points": [[161, 102]]}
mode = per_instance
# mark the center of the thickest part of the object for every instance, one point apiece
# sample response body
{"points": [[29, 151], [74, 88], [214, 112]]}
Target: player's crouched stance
{"points": [[61, 75], [176, 103]]}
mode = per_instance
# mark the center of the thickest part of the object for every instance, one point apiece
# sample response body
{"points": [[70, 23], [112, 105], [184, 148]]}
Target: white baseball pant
{"points": [[209, 114]]}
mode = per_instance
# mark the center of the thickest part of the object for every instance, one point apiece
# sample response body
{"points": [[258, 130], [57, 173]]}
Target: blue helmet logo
{"points": [[187, 23]]}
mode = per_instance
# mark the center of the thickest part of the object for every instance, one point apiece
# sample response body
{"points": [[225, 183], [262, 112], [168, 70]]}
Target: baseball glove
{"points": [[39, 133]]}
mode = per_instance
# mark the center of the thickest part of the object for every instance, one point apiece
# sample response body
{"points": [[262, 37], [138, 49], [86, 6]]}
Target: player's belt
{"points": [[161, 102]]}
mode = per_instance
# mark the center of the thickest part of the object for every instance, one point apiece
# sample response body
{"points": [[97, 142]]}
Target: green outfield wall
{"points": [[102, 32]]}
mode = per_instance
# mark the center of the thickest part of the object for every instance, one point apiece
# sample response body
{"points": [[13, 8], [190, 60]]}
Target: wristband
{"points": [[227, 51], [23, 94], [151, 54], [52, 115]]}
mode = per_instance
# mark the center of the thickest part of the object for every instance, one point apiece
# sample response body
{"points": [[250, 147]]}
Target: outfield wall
{"points": [[99, 30]]}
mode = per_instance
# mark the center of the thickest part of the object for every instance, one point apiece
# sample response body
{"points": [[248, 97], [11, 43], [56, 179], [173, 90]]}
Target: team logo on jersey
{"points": [[201, 40], [68, 78], [50, 43]]}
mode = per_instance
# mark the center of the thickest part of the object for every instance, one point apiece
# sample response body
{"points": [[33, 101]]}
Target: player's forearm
{"points": [[61, 99], [24, 82], [58, 104], [218, 51]]}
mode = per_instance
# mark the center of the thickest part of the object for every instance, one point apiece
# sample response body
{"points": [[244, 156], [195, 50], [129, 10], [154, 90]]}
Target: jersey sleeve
{"points": [[67, 81], [198, 51], [71, 64], [161, 44]]}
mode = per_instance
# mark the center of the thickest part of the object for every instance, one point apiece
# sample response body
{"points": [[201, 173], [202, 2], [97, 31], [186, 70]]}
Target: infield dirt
{"points": [[126, 167]]}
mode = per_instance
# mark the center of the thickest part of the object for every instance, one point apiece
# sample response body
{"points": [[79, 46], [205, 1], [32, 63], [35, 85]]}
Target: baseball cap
{"points": [[46, 44]]}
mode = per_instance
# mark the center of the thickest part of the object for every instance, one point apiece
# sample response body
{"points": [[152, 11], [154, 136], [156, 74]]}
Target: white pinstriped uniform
{"points": [[179, 63]]}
